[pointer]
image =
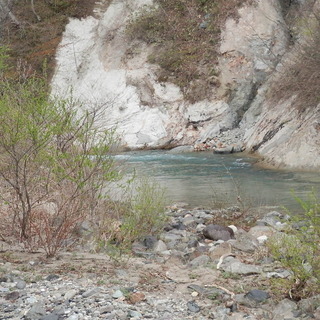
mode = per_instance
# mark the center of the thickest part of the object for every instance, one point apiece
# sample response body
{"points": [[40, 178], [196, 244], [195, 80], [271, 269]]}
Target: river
{"points": [[210, 180]]}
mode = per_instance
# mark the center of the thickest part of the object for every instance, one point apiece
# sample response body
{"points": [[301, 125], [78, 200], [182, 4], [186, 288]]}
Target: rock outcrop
{"points": [[99, 66]]}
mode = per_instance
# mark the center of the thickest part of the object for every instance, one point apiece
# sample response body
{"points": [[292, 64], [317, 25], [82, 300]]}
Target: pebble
{"points": [[66, 296]]}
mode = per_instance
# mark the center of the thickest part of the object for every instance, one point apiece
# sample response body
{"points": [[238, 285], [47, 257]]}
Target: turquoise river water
{"points": [[209, 180]]}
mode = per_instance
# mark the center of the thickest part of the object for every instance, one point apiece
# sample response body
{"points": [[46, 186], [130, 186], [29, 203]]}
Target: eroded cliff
{"points": [[100, 65]]}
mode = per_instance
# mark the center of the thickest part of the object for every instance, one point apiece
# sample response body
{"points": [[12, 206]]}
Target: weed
{"points": [[298, 250], [230, 275], [299, 77]]}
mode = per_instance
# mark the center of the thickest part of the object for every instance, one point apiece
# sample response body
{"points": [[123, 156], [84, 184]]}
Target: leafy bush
{"points": [[298, 250], [54, 164], [140, 213]]}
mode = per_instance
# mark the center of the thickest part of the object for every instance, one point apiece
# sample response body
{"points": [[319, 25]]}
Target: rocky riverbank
{"points": [[196, 269]]}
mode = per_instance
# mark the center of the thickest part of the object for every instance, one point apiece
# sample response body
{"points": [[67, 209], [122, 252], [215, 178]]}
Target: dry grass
{"points": [[36, 41], [300, 76], [185, 35]]}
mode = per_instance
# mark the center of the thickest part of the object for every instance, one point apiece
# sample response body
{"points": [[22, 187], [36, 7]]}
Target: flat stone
{"points": [[245, 242], [168, 237], [117, 294], [70, 294], [134, 314], [235, 266], [257, 295], [284, 310], [37, 311], [91, 292], [216, 252], [50, 316], [12, 295], [193, 307], [258, 231], [160, 246], [199, 261]]}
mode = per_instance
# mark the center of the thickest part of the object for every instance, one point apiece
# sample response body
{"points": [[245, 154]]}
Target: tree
{"points": [[54, 164]]}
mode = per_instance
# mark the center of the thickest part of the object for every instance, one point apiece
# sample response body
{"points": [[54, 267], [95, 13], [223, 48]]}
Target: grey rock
{"points": [[189, 221], [121, 273], [273, 219], [309, 304], [31, 300], [20, 284], [243, 300], [134, 314], [192, 243], [106, 309], [14, 295], [200, 227], [160, 246], [51, 316], [37, 311], [245, 242], [117, 294], [233, 265], [181, 149], [168, 237], [193, 307], [279, 274], [216, 232], [285, 309], [150, 242], [70, 294], [52, 277], [91, 292], [199, 261], [257, 295]]}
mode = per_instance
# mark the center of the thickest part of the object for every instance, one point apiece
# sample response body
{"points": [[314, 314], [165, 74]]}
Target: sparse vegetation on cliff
{"points": [[37, 31], [185, 35], [300, 75]]}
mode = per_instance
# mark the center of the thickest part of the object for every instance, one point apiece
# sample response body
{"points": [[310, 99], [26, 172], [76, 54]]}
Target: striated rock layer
{"points": [[97, 65]]}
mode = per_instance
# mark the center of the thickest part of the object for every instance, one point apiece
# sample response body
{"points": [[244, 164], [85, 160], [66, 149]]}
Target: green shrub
{"points": [[54, 164], [139, 213], [298, 250]]}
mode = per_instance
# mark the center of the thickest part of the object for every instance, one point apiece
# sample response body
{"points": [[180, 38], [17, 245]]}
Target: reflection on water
{"points": [[206, 179]]}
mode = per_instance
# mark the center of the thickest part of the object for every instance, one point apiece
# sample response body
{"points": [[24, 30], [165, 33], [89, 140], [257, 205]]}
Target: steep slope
{"points": [[99, 64]]}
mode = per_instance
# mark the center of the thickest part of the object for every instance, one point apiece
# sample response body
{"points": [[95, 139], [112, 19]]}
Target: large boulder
{"points": [[216, 232]]}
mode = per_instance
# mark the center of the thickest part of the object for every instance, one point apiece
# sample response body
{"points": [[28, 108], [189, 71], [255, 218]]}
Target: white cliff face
{"points": [[288, 139], [251, 47], [97, 66]]}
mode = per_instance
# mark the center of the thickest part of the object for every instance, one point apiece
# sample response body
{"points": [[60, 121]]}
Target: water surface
{"points": [[207, 179]]}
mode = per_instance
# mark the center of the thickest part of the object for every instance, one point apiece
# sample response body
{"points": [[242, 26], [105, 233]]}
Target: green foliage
{"points": [[145, 214], [3, 59], [140, 213], [54, 164], [298, 249]]}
